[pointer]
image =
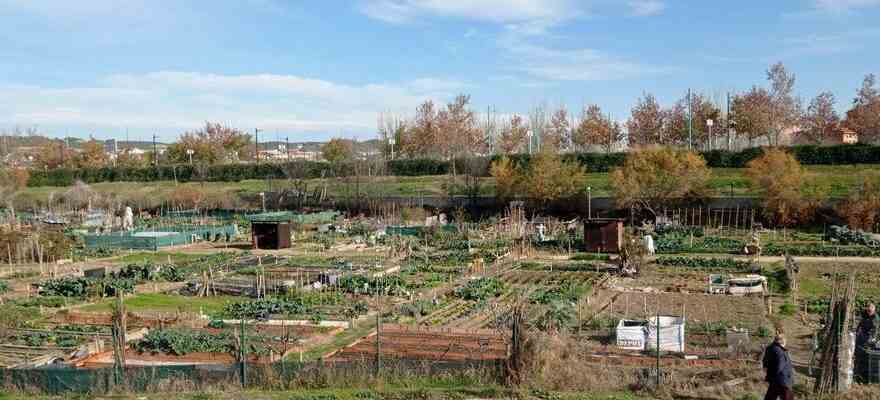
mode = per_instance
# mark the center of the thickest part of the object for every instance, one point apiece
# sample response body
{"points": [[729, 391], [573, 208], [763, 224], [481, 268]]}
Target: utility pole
{"points": [[243, 353], [155, 151], [658, 346], [378, 331], [118, 332], [287, 147], [727, 123], [257, 144], [690, 123]]}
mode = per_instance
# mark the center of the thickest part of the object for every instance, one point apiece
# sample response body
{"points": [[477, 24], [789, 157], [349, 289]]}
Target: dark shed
{"points": [[271, 231], [603, 235]]}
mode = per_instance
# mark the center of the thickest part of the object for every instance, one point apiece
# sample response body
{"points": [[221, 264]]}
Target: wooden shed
{"points": [[603, 235], [271, 231]]}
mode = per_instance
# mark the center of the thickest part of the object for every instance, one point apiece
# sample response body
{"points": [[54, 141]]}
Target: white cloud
{"points": [[173, 101], [580, 64], [525, 23], [644, 8], [501, 11]]}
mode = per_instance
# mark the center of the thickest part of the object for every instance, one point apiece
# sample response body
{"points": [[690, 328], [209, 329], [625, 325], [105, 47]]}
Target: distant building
{"points": [[840, 135], [848, 136], [283, 154]]}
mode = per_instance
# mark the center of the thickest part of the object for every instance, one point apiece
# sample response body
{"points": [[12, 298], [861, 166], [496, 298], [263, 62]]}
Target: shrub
{"points": [[480, 289], [787, 309]]}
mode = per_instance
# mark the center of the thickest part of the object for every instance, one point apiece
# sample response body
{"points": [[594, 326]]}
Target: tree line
{"points": [[761, 115], [651, 179]]}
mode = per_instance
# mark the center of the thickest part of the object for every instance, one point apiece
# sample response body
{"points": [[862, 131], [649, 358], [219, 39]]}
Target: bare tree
{"points": [[490, 130], [538, 125], [645, 125], [751, 113], [820, 121], [459, 133], [597, 129], [513, 135], [864, 116], [557, 136], [423, 132], [785, 107], [392, 128]]}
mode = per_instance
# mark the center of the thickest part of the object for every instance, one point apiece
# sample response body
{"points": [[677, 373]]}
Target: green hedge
{"points": [[594, 162]]}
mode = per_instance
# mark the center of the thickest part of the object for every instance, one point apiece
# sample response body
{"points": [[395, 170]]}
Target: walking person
{"points": [[777, 365], [866, 337]]}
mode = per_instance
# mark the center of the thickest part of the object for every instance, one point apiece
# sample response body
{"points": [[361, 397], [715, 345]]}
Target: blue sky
{"points": [[315, 69]]}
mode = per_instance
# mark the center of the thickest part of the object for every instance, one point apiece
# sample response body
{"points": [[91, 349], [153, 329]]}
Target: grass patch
{"points": [[165, 303], [839, 179], [812, 287]]}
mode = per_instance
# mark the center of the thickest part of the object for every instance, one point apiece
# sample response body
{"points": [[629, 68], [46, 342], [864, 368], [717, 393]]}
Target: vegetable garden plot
{"points": [[748, 312], [479, 307], [421, 343]]}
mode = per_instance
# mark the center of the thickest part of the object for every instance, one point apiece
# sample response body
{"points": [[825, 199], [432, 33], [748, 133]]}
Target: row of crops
{"points": [[840, 241], [180, 342], [123, 281], [707, 263], [316, 306]]}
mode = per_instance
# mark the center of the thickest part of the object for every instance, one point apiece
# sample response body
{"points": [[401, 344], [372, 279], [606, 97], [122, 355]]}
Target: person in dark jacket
{"points": [[866, 336], [777, 365], [867, 329]]}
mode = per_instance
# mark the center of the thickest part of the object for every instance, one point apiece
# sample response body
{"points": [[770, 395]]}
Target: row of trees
{"points": [[760, 115], [653, 178], [456, 130], [214, 143]]}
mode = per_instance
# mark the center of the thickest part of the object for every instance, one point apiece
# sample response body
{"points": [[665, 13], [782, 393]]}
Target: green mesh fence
{"points": [[98, 381], [287, 216], [160, 237], [414, 230]]}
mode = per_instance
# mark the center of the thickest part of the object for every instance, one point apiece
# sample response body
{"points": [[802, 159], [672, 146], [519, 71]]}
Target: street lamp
{"points": [[709, 123], [391, 142], [190, 153], [529, 135]]}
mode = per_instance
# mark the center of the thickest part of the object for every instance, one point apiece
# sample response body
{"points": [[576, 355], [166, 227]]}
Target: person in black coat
{"points": [[866, 337], [777, 365]]}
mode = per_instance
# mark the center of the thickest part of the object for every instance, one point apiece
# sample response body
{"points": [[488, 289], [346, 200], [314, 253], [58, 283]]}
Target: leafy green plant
{"points": [[707, 263], [819, 250], [566, 292], [480, 289], [845, 236], [181, 342], [390, 285], [66, 287], [788, 309]]}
